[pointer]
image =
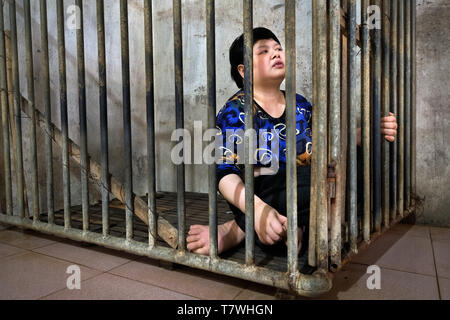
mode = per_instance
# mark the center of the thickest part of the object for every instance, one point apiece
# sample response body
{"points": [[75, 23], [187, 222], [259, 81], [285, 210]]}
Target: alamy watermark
{"points": [[373, 17], [374, 280], [74, 280], [73, 20], [227, 147]]}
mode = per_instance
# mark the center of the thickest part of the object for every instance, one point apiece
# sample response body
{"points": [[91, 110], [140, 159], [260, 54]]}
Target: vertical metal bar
{"points": [[103, 115], [48, 112], [82, 112], [352, 178], [249, 138], [291, 166], [365, 117], [150, 100], [322, 137], [407, 114], [413, 98], [376, 128], [385, 112], [335, 128], [211, 88], [401, 105], [312, 248], [5, 116], [319, 193], [63, 106], [179, 107], [129, 210], [17, 111], [31, 108], [393, 109]]}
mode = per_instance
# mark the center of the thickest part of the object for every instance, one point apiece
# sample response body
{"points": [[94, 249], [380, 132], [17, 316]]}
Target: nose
{"points": [[276, 54]]}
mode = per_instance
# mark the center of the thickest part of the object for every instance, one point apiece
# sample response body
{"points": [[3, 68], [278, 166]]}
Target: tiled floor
{"points": [[414, 263]]}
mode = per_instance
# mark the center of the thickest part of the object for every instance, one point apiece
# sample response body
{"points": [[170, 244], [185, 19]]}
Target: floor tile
{"points": [[6, 250], [95, 257], [394, 251], [25, 239], [440, 233], [111, 287], [442, 257], [444, 286], [351, 284], [257, 291], [31, 276], [197, 283], [408, 230]]}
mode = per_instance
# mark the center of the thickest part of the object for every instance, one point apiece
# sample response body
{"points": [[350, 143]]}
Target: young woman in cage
{"points": [[269, 188]]}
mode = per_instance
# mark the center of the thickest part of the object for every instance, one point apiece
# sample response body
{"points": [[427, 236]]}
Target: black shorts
{"points": [[272, 190]]}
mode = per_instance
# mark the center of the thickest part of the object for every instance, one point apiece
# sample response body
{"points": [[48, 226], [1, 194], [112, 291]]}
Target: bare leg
{"points": [[229, 235]]}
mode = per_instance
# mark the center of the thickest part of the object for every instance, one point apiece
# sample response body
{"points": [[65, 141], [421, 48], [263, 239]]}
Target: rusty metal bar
{"points": [[82, 114], [385, 111], [5, 116], [165, 230], [179, 107], [335, 131], [413, 98], [31, 106], [63, 107], [211, 89], [401, 106], [319, 194], [105, 180], [407, 114], [127, 118], [291, 166], [17, 112], [365, 116], [48, 111], [393, 109], [376, 127], [249, 137], [312, 254], [352, 143], [150, 101], [306, 285]]}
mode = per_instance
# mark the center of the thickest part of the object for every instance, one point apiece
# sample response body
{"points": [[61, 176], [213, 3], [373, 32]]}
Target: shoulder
{"points": [[232, 113], [302, 101]]}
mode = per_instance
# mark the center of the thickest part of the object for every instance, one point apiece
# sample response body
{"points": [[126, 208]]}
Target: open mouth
{"points": [[278, 65]]}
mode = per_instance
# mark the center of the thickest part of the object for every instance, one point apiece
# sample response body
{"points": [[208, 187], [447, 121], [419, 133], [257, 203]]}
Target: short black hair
{"points": [[237, 51]]}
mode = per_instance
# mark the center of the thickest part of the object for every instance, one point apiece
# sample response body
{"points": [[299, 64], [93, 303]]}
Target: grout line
{"points": [[153, 285], [391, 269], [69, 261], [435, 268], [61, 290]]}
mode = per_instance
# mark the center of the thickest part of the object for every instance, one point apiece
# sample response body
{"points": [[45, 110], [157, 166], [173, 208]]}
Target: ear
{"points": [[241, 70]]}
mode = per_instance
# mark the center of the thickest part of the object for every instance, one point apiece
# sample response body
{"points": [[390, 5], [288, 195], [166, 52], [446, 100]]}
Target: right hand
{"points": [[270, 226]]}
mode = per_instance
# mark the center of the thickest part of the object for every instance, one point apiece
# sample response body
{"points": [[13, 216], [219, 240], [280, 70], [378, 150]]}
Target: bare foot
{"points": [[229, 235]]}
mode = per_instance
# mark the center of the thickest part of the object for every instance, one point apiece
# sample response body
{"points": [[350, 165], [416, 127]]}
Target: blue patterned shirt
{"points": [[270, 134]]}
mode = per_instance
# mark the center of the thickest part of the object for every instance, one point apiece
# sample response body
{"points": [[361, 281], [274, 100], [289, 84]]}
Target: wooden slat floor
{"points": [[196, 205]]}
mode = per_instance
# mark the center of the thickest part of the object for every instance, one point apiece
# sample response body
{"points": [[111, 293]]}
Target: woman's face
{"points": [[268, 62]]}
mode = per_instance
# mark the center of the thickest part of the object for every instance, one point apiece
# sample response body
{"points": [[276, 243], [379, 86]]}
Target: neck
{"points": [[268, 95]]}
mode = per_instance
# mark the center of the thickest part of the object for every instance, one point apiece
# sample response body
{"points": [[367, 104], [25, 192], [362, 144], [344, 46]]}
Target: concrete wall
{"points": [[433, 117], [268, 13], [433, 42]]}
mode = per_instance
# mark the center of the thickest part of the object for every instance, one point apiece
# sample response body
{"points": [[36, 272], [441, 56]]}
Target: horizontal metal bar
{"points": [[306, 285]]}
